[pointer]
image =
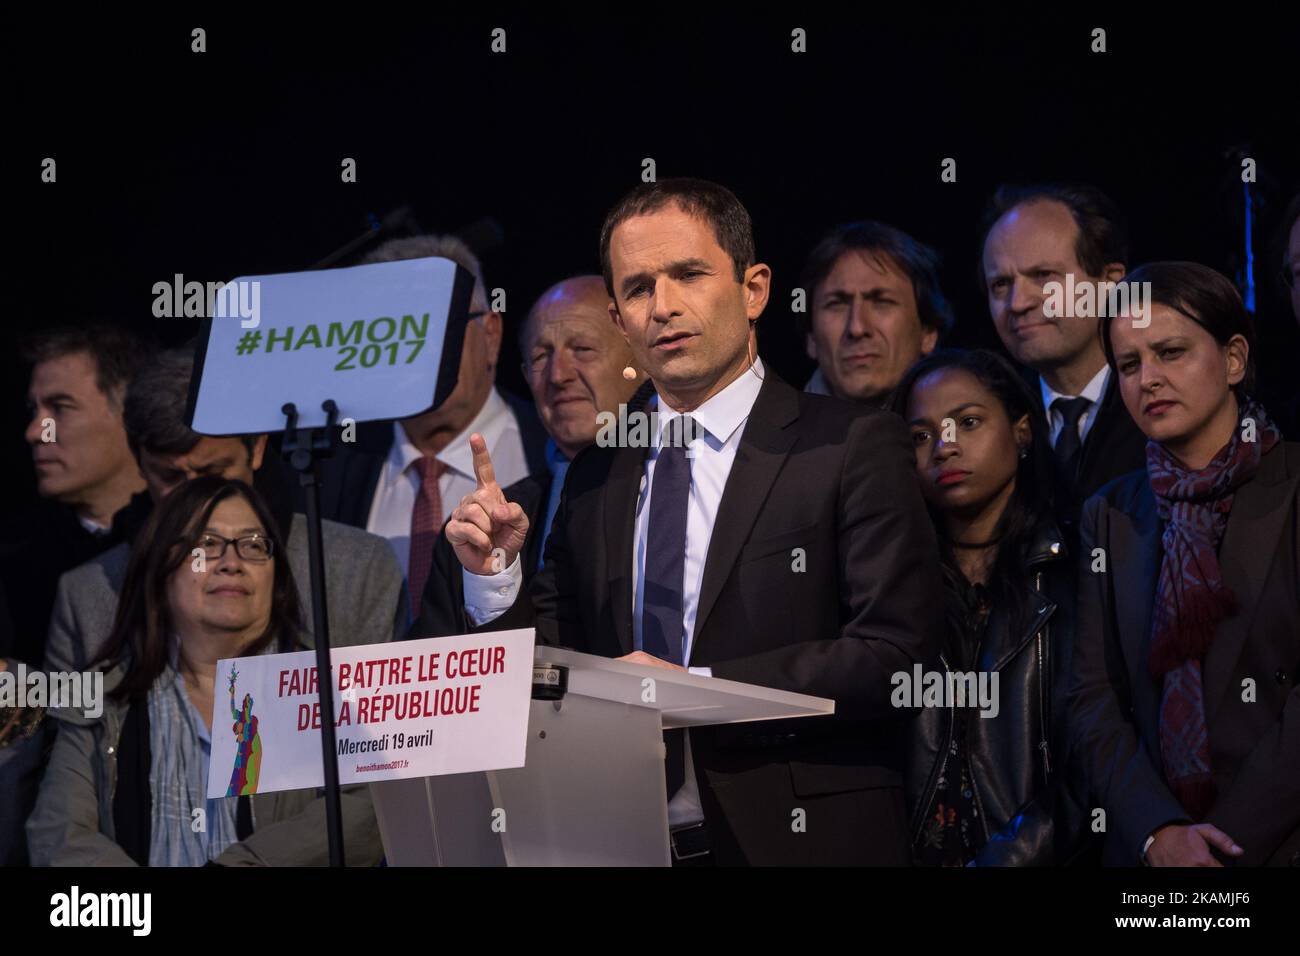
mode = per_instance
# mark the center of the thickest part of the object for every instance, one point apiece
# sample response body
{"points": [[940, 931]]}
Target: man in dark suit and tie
{"points": [[1035, 236], [786, 545], [576, 364]]}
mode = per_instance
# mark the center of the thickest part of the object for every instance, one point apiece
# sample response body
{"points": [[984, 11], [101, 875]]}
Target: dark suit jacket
{"points": [[1113, 447], [836, 481], [348, 479], [442, 610], [1287, 417], [1254, 745]]}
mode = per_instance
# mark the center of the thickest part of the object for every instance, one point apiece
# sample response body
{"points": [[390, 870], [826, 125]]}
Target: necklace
{"points": [[975, 545]]}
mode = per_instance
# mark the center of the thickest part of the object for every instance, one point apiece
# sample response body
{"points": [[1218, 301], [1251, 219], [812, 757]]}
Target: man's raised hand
{"points": [[486, 531]]}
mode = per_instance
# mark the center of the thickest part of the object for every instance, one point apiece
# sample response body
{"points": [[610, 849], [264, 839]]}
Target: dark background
{"points": [[228, 162]]}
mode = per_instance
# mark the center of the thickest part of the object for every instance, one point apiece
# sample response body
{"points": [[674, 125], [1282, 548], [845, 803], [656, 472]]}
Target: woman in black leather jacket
{"points": [[989, 780]]}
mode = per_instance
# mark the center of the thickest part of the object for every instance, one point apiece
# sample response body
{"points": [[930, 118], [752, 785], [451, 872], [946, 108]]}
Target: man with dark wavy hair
{"points": [[874, 308]]}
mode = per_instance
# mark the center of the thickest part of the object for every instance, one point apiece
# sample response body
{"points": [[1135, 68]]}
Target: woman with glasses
{"points": [[1184, 702], [207, 581]]}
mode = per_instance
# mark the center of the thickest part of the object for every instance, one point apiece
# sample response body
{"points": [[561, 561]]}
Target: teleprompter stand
{"points": [[229, 354], [304, 451]]}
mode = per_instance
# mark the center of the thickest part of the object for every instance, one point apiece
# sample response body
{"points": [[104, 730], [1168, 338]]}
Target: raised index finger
{"points": [[483, 472]]}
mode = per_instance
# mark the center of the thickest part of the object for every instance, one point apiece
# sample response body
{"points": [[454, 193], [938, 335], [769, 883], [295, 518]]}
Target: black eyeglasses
{"points": [[250, 547], [1288, 277]]}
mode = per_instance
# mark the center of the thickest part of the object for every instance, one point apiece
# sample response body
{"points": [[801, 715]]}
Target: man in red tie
{"points": [[400, 479]]}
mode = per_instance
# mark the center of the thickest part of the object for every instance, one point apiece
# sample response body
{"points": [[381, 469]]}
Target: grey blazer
{"points": [[72, 824], [364, 592]]}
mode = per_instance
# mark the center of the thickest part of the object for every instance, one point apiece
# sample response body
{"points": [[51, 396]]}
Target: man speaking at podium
{"points": [[787, 546]]}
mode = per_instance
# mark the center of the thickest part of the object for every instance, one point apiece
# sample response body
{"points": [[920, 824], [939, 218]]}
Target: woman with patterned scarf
{"points": [[1184, 701]]}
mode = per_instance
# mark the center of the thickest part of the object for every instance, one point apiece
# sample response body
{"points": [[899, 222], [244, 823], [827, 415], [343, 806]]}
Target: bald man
{"points": [[575, 360]]}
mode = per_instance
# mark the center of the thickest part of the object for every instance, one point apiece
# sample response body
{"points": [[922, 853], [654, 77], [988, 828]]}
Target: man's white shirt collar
{"points": [[1093, 391], [726, 411], [491, 420], [93, 527]]}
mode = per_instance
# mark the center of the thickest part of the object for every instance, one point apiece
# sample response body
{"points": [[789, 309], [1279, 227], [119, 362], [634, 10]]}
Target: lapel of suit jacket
{"points": [[1134, 563], [622, 489], [1101, 433], [764, 445], [1248, 547], [532, 495]]}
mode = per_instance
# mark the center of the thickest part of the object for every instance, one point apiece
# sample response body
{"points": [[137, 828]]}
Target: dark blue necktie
{"points": [[1068, 444], [665, 572], [665, 554]]}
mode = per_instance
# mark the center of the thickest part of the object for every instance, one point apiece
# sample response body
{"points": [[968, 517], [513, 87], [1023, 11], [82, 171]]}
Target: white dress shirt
{"points": [[722, 419], [1093, 391], [399, 482], [93, 527], [818, 385]]}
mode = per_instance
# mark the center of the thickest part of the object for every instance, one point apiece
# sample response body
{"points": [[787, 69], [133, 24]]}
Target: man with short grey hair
{"points": [[401, 479], [90, 491]]}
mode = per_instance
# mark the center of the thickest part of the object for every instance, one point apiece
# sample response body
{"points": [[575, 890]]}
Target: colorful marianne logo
{"points": [[248, 744]]}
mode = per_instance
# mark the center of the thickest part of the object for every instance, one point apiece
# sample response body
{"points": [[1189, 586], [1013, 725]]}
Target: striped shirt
{"points": [[180, 749]]}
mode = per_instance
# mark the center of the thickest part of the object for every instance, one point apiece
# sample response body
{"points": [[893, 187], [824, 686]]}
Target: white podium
{"points": [[591, 792]]}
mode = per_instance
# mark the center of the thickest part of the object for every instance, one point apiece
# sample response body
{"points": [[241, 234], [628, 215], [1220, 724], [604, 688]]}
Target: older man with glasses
{"points": [[401, 479]]}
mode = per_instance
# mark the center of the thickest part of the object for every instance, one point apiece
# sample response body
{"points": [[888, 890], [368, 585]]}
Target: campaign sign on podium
{"points": [[406, 709], [371, 338]]}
